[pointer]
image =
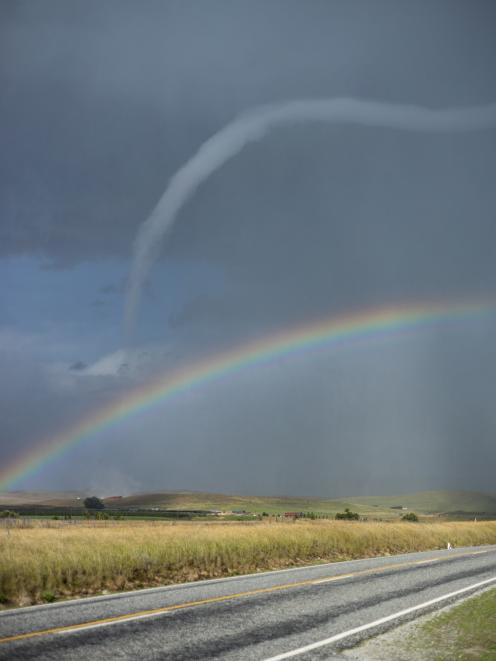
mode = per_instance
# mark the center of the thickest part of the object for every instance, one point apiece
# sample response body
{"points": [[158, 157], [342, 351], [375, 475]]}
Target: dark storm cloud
{"points": [[101, 102]]}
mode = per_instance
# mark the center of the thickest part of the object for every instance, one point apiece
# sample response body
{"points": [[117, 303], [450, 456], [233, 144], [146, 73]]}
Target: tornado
{"points": [[253, 125]]}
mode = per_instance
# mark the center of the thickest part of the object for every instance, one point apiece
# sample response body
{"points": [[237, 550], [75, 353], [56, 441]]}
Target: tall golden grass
{"points": [[67, 560]]}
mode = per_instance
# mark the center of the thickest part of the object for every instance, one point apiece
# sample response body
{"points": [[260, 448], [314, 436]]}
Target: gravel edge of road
{"points": [[391, 645]]}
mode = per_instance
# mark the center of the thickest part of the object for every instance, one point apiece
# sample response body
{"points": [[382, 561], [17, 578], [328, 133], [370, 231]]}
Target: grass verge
{"points": [[465, 633], [64, 561]]}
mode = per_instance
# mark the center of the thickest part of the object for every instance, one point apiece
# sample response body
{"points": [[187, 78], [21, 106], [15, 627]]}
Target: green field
{"points": [[430, 502], [198, 500], [451, 504]]}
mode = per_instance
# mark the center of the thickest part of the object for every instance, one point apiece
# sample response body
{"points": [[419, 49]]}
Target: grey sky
{"points": [[100, 102]]}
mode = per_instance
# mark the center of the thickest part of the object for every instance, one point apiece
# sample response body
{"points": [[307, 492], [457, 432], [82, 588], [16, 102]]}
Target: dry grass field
{"points": [[57, 559]]}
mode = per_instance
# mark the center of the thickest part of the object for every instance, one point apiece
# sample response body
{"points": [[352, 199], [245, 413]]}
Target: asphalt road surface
{"points": [[306, 613]]}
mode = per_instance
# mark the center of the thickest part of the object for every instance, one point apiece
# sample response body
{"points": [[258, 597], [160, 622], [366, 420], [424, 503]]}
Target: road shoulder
{"points": [[465, 629]]}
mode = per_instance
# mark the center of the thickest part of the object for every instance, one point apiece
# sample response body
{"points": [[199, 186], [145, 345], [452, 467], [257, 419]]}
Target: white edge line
{"points": [[376, 623], [338, 577]]}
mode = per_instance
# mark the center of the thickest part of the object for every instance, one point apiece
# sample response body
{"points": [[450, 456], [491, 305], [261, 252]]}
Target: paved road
{"points": [[306, 613]]}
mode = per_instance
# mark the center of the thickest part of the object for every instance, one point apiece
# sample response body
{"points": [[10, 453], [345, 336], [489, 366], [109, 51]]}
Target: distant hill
{"points": [[215, 501], [427, 502], [434, 502], [48, 498], [424, 502]]}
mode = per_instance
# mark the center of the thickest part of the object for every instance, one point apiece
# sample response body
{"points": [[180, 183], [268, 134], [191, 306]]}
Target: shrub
{"points": [[93, 503], [348, 515], [411, 516]]}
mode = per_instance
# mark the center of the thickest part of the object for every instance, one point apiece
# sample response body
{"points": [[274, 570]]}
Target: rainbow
{"points": [[362, 325]]}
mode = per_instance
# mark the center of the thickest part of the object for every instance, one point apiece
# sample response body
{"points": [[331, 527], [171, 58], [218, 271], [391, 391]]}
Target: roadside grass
{"points": [[466, 632], [91, 557], [461, 632]]}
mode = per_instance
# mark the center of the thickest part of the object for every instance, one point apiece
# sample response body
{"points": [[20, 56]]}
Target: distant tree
{"points": [[8, 514], [411, 516], [348, 515], [93, 503], [102, 516]]}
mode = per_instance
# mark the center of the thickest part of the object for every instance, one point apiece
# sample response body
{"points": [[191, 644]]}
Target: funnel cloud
{"points": [[252, 126]]}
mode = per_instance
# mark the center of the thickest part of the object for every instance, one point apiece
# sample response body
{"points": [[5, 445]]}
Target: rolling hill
{"points": [[434, 502], [454, 503]]}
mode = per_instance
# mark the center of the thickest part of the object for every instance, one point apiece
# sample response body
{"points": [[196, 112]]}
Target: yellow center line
{"points": [[212, 600], [377, 570]]}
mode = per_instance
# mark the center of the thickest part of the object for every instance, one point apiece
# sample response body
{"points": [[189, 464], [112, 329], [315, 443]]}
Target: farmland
{"points": [[445, 504]]}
